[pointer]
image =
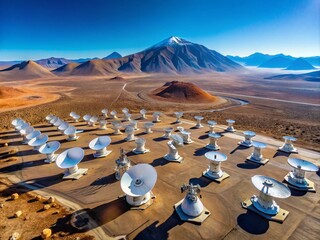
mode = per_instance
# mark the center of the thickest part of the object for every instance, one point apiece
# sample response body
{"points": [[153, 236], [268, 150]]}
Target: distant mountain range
{"points": [[274, 61], [311, 76]]}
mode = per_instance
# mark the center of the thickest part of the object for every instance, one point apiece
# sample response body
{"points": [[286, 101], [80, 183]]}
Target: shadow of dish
{"points": [[157, 231], [281, 154], [202, 181], [201, 151], [239, 147], [159, 162], [247, 165], [253, 223]]}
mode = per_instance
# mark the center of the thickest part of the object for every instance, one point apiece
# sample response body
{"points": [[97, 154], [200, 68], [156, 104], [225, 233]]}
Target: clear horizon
{"points": [[37, 29]]}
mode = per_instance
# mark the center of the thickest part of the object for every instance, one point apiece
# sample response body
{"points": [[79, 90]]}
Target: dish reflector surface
{"points": [[302, 164], [49, 147], [100, 143], [69, 158], [270, 186], [216, 156]]}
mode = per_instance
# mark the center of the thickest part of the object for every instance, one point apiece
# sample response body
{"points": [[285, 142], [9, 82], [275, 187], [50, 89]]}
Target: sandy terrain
{"points": [[33, 219], [101, 196]]}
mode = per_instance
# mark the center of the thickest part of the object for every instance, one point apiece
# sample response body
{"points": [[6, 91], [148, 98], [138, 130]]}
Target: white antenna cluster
{"points": [[247, 139], [102, 124], [143, 113], [49, 149], [214, 171], [75, 116], [126, 114], [122, 164], [147, 126], [198, 119], [93, 120], [167, 132], [173, 155], [105, 112], [116, 125], [38, 141], [100, 144], [113, 114], [137, 183], [86, 118]]}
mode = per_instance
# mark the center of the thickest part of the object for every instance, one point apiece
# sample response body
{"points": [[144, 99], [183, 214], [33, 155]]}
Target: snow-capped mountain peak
{"points": [[171, 41]]}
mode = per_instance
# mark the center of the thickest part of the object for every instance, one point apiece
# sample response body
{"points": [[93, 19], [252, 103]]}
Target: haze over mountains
{"points": [[275, 61]]}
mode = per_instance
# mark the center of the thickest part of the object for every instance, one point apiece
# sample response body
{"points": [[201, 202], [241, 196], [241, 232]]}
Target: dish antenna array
{"points": [[178, 116], [49, 117], [86, 118], [71, 132], [173, 155], [99, 145], [116, 125], [296, 178], [63, 127], [214, 171], [147, 126], [143, 113], [53, 120], [140, 146], [156, 117], [191, 208], [49, 149], [113, 114], [58, 123], [257, 156], [167, 132], [130, 134], [69, 159], [186, 136], [213, 144], [211, 125], [269, 188], [105, 112], [137, 183], [24, 132], [32, 135], [126, 114], [37, 141], [122, 164], [198, 119], [230, 123], [288, 145], [247, 138]]}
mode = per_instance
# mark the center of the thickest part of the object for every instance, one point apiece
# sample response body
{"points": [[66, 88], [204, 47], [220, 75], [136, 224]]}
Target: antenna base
{"points": [[307, 185], [75, 138], [261, 161], [212, 147], [288, 149], [136, 151], [170, 158], [245, 144], [208, 174], [76, 175], [184, 217], [101, 154]]}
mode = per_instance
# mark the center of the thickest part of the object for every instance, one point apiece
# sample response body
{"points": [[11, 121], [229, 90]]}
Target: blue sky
{"points": [[33, 29]]}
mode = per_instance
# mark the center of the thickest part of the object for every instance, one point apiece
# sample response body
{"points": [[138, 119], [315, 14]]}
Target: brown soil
{"points": [[182, 92], [9, 92], [33, 219]]}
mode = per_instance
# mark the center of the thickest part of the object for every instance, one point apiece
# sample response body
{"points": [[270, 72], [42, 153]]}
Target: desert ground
{"points": [[270, 108]]}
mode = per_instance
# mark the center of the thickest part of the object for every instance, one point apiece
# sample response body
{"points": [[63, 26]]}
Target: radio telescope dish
{"points": [[130, 133], [38, 141], [22, 126], [116, 125], [230, 125], [49, 117], [32, 135], [100, 144], [173, 155], [257, 156], [102, 124], [167, 132], [86, 118], [247, 138], [143, 113], [69, 160], [269, 188], [123, 164], [24, 132], [125, 110], [134, 124], [191, 208], [198, 119], [186, 136], [63, 126], [15, 122], [53, 119], [177, 139], [71, 132], [75, 117], [113, 114], [214, 171], [156, 117], [104, 112], [211, 122], [93, 120], [49, 149], [288, 145], [58, 122], [137, 183], [296, 177], [72, 114], [213, 144], [178, 116], [140, 148]]}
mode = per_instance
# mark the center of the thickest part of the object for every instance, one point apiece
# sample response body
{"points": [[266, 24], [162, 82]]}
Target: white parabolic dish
{"points": [[302, 164], [69, 158], [139, 180], [38, 141], [70, 130], [49, 147], [177, 138], [270, 186], [100, 143], [216, 156], [33, 134]]}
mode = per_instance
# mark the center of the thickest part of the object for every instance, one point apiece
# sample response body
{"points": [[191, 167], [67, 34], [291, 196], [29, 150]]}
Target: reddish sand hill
{"points": [[25, 70], [183, 92], [65, 69]]}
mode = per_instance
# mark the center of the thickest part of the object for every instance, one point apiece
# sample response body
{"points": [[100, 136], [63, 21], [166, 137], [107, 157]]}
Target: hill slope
{"points": [[280, 61], [25, 70], [311, 76], [53, 62], [182, 92], [300, 64]]}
